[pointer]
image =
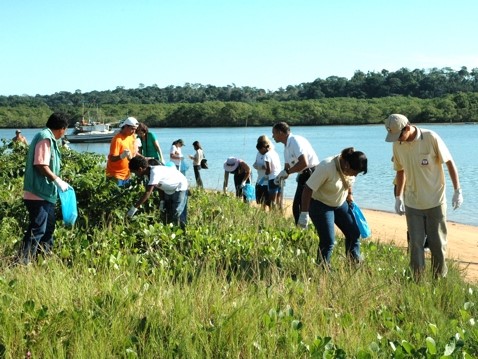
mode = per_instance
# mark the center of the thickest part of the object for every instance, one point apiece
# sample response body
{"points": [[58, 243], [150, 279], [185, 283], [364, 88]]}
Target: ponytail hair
{"points": [[356, 159]]}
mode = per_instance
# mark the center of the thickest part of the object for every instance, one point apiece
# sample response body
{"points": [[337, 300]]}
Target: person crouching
{"points": [[167, 179]]}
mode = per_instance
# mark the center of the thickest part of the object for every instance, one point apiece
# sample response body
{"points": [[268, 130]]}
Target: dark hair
{"points": [[142, 127], [197, 145], [282, 127], [137, 162], [57, 121], [178, 141], [263, 144], [356, 159]]}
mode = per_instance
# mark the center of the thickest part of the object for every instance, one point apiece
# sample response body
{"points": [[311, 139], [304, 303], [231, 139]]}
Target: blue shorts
{"points": [[273, 188]]}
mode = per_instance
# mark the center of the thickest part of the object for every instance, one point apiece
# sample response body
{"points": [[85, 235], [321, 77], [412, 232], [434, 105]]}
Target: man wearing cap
{"points": [[299, 157], [123, 148], [19, 137], [418, 155]]}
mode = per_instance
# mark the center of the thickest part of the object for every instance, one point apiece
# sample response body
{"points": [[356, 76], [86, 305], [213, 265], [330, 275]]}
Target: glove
{"points": [[303, 221], [457, 200], [242, 185], [161, 206], [61, 184], [131, 211], [282, 175], [125, 153], [399, 206]]}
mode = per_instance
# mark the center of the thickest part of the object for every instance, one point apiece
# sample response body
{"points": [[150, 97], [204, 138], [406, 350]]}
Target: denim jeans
{"points": [[324, 217], [177, 207], [40, 230]]}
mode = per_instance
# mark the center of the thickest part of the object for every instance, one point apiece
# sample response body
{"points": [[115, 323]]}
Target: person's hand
{"points": [[131, 211], [243, 184], [125, 154], [303, 221], [61, 184], [281, 176], [457, 200], [161, 206], [399, 206]]}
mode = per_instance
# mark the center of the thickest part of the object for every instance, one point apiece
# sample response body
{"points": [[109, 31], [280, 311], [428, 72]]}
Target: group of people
{"points": [[323, 195]]}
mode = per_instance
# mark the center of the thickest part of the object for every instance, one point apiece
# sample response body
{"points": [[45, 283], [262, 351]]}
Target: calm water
{"points": [[373, 190]]}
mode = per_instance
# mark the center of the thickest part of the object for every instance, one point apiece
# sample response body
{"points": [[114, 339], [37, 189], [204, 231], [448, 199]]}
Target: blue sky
{"points": [[49, 46]]}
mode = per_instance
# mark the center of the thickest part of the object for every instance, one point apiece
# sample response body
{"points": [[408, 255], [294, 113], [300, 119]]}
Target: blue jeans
{"points": [[324, 217], [177, 207], [40, 230]]}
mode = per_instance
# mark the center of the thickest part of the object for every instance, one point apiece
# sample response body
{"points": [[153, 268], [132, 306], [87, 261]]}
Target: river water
{"points": [[373, 190]]}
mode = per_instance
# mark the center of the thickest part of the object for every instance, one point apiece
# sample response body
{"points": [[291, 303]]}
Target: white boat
{"points": [[91, 132]]}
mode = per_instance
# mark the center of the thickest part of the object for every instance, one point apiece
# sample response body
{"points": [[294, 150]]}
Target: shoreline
{"points": [[390, 228]]}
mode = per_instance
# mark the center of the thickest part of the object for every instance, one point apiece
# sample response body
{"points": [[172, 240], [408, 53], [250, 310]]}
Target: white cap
{"points": [[130, 121], [395, 124]]}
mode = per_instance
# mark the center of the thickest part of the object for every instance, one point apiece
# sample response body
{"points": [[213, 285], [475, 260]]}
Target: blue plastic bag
{"points": [[249, 192], [69, 209], [183, 167], [360, 220]]}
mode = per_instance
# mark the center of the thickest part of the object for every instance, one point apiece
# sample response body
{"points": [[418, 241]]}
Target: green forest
{"points": [[434, 95]]}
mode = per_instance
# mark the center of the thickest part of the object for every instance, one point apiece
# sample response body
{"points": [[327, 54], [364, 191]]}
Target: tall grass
{"points": [[240, 283]]}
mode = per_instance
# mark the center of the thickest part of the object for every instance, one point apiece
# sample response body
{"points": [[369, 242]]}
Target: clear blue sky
{"points": [[49, 46]]}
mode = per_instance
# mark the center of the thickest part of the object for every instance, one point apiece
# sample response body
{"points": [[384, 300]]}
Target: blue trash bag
{"points": [[360, 220], [249, 192], [183, 167], [170, 164], [69, 209]]}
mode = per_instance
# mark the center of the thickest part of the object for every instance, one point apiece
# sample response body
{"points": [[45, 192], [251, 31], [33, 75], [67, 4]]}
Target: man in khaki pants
{"points": [[418, 157]]}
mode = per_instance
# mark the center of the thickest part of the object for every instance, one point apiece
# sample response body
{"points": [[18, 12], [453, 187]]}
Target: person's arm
{"points": [[305, 200], [455, 179], [400, 181], [247, 171], [299, 166], [145, 196], [46, 171], [226, 180], [268, 168]]}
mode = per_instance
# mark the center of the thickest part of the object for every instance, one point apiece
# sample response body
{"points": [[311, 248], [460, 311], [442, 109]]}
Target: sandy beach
{"points": [[462, 239], [391, 228]]}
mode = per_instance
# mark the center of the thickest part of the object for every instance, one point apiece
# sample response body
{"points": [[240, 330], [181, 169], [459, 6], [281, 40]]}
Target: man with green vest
{"points": [[41, 186]]}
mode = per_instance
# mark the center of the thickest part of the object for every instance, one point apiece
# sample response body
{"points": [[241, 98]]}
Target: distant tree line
{"points": [[435, 95]]}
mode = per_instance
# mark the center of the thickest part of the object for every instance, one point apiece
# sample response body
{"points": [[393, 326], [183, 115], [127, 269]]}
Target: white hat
{"points": [[395, 124], [130, 121], [231, 164]]}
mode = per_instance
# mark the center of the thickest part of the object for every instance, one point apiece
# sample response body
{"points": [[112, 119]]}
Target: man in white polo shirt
{"points": [[299, 157], [418, 156]]}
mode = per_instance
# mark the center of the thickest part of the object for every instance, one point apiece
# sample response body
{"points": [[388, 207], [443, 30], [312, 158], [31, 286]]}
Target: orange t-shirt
{"points": [[119, 143]]}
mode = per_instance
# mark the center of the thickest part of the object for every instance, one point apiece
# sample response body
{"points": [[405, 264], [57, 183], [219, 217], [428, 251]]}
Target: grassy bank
{"points": [[240, 283]]}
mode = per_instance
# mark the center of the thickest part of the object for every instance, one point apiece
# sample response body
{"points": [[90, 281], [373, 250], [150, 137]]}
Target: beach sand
{"points": [[391, 228]]}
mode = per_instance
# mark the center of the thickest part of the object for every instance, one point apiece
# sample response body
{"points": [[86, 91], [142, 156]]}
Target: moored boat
{"points": [[90, 132]]}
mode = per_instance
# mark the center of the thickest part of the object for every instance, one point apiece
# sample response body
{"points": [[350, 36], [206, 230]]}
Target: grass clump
{"points": [[239, 282]]}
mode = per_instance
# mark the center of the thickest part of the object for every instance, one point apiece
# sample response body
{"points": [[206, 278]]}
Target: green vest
{"points": [[35, 182]]}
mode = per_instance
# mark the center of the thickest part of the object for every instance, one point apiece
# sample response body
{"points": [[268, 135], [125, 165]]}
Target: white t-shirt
{"points": [[272, 157], [259, 165], [297, 146], [169, 179], [175, 150]]}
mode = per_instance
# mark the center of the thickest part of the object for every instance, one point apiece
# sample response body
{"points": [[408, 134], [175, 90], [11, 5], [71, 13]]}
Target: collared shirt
{"points": [[297, 146], [327, 185], [422, 162]]}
